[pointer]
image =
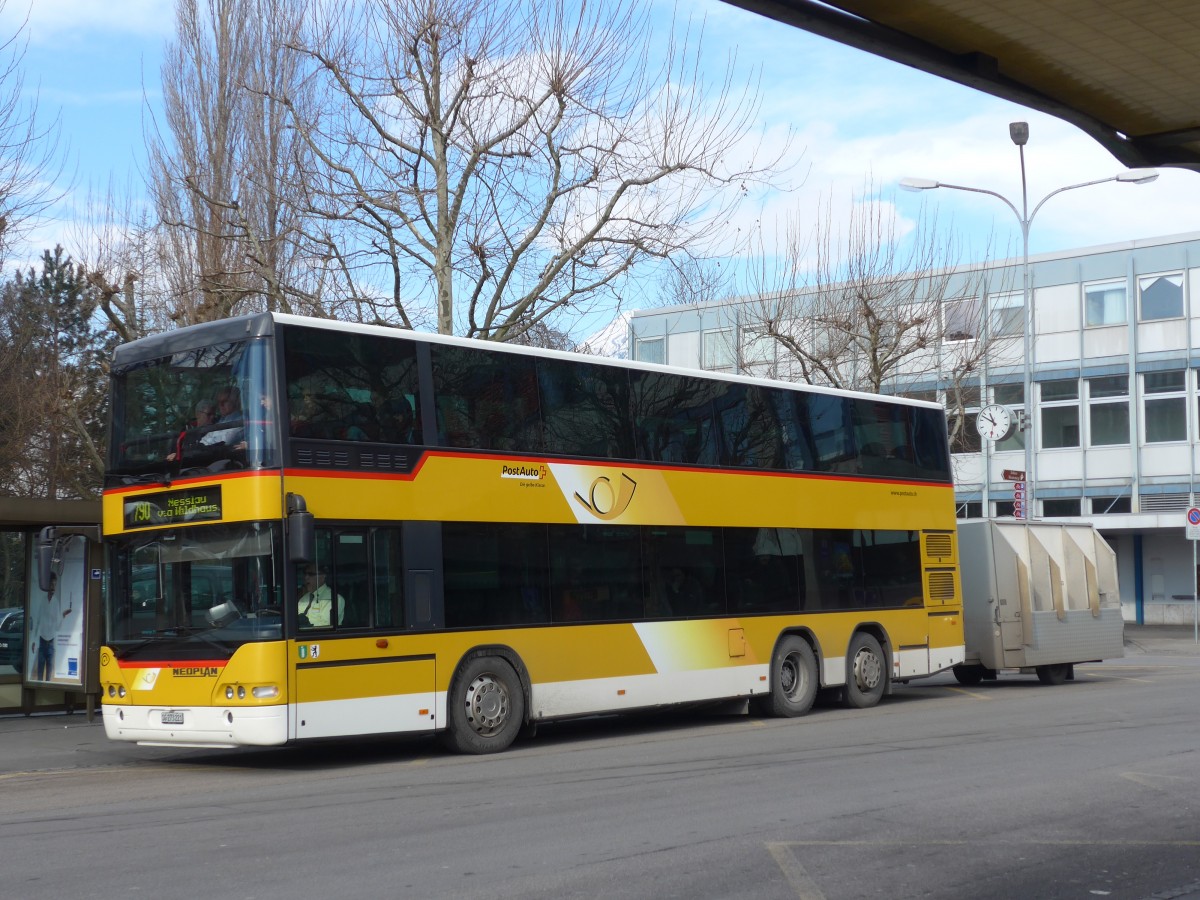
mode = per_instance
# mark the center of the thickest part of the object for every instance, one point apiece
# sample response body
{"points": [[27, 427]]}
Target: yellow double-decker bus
{"points": [[319, 529]]}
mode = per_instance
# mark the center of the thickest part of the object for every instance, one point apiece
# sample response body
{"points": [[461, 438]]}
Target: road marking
{"points": [[974, 694], [1148, 780], [801, 883]]}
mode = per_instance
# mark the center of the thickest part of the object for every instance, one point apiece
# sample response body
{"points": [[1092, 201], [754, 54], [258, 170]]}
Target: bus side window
{"points": [[388, 577]]}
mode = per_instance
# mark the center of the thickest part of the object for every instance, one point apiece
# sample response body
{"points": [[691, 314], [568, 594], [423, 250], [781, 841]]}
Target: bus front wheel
{"points": [[793, 680], [487, 707], [866, 672]]}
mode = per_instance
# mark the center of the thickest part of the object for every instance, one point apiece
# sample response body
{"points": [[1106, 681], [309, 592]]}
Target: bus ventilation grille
{"points": [[941, 586], [938, 546], [383, 461], [323, 458]]}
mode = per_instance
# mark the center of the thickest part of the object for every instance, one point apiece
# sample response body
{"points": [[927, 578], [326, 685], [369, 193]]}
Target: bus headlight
{"points": [[229, 692], [121, 691], [265, 691], [241, 692]]}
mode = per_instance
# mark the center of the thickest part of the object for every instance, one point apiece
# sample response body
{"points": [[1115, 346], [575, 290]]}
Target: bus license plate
{"points": [[172, 717]]}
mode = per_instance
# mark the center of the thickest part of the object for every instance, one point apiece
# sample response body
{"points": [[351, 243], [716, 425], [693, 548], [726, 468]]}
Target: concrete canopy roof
{"points": [[1121, 70]]}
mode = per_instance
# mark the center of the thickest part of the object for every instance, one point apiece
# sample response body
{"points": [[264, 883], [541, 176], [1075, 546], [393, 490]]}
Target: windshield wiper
{"points": [[182, 631]]}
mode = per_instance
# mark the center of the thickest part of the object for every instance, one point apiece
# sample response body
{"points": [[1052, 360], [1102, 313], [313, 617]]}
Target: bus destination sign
{"points": [[191, 505]]}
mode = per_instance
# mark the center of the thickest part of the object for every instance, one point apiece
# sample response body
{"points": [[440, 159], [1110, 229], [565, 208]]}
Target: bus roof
{"points": [[262, 324]]}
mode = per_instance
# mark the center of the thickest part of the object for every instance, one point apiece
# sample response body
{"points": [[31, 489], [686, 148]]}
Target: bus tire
{"points": [[968, 673], [866, 672], [1054, 673], [486, 707], [794, 680]]}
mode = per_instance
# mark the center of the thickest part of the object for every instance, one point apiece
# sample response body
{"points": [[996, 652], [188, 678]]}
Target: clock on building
{"points": [[995, 422]]}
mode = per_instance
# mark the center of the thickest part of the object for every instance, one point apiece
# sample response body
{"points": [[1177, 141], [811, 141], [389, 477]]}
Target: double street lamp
{"points": [[1019, 132]]}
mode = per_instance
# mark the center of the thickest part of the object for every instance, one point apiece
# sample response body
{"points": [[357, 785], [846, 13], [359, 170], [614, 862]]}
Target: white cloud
{"points": [[53, 21]]}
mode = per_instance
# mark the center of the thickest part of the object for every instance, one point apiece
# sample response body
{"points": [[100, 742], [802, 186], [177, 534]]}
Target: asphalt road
{"points": [[1010, 789]]}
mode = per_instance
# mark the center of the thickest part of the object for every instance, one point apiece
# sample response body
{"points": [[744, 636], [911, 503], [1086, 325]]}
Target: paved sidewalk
{"points": [[1155, 640]]}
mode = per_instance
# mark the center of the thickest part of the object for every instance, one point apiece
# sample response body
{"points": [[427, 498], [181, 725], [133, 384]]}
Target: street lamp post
{"points": [[1019, 133]]}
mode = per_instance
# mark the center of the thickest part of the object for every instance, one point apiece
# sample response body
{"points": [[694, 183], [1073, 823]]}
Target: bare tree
{"points": [[503, 164], [690, 282], [222, 170], [29, 158], [867, 308]]}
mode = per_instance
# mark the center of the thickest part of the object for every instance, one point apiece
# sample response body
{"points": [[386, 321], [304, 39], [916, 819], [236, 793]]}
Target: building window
{"points": [[717, 349], [970, 509], [1012, 396], [1104, 304], [1060, 413], [650, 350], [1111, 505], [964, 437], [1162, 297], [1108, 410], [758, 348], [1008, 314], [1003, 508], [1061, 507], [962, 319], [1164, 404]]}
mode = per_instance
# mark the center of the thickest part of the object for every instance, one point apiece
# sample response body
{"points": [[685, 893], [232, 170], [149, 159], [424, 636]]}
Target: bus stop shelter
{"points": [[77, 525], [1120, 70]]}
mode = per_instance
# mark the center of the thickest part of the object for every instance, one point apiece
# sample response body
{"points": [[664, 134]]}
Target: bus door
{"points": [[355, 671]]}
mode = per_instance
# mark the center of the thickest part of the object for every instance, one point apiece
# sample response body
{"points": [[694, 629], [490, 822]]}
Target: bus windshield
{"points": [[194, 412], [197, 585]]}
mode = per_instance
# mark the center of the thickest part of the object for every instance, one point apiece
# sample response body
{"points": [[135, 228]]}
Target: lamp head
{"points": [[1019, 132], [918, 184], [1137, 176]]}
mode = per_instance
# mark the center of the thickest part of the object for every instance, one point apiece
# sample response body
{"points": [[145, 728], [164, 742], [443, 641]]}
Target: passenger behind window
{"points": [[398, 423], [678, 594]]}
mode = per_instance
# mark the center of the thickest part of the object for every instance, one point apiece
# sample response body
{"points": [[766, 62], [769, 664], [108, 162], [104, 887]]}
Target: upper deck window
{"points": [[206, 409]]}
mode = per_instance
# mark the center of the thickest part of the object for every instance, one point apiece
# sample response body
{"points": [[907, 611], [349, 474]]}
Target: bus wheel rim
{"points": [[487, 705], [868, 670], [789, 676]]}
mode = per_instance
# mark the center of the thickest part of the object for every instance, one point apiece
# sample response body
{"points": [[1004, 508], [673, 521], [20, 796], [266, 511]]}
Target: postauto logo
{"points": [[607, 501]]}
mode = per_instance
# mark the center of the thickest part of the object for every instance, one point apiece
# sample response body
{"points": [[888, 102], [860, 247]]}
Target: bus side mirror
{"points": [[45, 557], [302, 535]]}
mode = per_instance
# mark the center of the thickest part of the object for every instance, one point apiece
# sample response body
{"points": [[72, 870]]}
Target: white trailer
{"points": [[1037, 597]]}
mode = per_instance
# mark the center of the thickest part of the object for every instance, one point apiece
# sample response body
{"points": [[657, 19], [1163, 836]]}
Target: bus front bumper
{"points": [[190, 726]]}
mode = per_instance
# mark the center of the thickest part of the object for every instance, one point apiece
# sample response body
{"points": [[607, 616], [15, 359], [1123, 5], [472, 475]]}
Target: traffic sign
{"points": [[1012, 475], [1019, 509], [1192, 527]]}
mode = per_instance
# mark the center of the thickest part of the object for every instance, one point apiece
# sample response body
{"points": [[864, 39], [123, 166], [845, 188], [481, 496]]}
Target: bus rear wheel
{"points": [[793, 680], [866, 672], [968, 673], [1054, 673], [487, 707]]}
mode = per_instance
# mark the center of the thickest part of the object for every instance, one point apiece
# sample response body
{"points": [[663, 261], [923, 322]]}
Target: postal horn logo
{"points": [[604, 501]]}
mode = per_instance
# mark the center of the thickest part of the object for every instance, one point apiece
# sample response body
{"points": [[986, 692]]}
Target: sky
{"points": [[854, 120]]}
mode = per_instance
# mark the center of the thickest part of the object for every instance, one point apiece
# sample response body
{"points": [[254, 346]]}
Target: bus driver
{"points": [[315, 604]]}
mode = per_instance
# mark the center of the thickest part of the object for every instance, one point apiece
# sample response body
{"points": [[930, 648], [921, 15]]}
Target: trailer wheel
{"points": [[1054, 673], [866, 672], [793, 680], [968, 673], [487, 707]]}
